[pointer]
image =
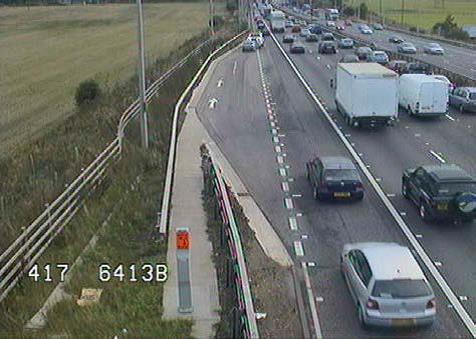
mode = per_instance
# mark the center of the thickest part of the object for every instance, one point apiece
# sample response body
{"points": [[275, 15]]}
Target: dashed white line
{"points": [[277, 149], [285, 186], [280, 159], [288, 202], [293, 223], [282, 172], [437, 156], [276, 140], [298, 249], [297, 195], [234, 67]]}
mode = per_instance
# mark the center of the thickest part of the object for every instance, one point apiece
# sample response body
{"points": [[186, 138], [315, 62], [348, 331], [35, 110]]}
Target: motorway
{"points": [[457, 59], [268, 127]]}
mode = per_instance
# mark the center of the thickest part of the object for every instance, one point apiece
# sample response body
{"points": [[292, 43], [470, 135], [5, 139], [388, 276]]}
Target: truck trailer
{"points": [[423, 95], [366, 94]]}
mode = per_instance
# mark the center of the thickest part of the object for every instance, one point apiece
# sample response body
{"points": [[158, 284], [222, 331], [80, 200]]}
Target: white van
{"points": [[422, 94]]}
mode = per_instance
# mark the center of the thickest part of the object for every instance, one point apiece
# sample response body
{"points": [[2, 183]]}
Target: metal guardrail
{"points": [[163, 216], [215, 183], [456, 78], [36, 237]]}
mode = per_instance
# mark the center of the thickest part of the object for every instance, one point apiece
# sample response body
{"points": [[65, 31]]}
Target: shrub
{"points": [[349, 11], [218, 21], [87, 92], [450, 29], [413, 29]]}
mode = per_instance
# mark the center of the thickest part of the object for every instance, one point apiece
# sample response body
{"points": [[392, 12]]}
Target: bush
{"points": [[364, 11], [231, 5], [349, 11], [218, 21], [450, 29], [413, 29], [87, 92]]}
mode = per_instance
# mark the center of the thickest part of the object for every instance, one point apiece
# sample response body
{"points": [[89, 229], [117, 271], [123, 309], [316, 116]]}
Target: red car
{"points": [[296, 29]]}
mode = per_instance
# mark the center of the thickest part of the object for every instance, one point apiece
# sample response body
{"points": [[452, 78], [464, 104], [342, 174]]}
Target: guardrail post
{"points": [[183, 270]]}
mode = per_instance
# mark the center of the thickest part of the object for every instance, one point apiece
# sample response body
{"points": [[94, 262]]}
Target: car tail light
{"points": [[431, 304], [372, 304], [358, 185]]}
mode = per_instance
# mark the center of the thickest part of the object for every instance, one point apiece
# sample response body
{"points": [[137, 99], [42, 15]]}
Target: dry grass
{"points": [[47, 51], [425, 13]]}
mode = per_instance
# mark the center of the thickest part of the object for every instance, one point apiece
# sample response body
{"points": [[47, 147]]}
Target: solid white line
{"points": [[310, 295], [293, 223], [450, 117], [298, 249], [437, 156], [289, 203], [453, 299], [285, 186]]}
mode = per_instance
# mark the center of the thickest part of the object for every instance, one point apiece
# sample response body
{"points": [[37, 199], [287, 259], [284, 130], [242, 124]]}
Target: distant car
{"points": [[387, 285], [334, 178], [297, 48], [395, 39], [288, 39], [327, 47], [330, 23], [328, 37], [348, 22], [364, 29], [379, 57], [312, 38], [305, 32], [377, 26], [264, 31], [398, 66], [441, 192], [257, 38], [464, 99], [433, 48], [363, 52], [260, 25], [340, 27], [288, 24], [248, 46], [315, 29], [417, 68], [346, 43], [296, 29], [447, 81], [348, 58], [407, 48]]}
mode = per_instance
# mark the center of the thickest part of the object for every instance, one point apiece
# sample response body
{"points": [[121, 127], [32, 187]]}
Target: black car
{"points": [[417, 68], [334, 178], [327, 47], [288, 39], [328, 37], [260, 24], [441, 192], [312, 38], [297, 48], [315, 30], [395, 39]]}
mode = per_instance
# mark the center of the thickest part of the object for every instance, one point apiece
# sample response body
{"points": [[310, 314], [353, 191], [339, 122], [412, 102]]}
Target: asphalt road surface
{"points": [[267, 126]]}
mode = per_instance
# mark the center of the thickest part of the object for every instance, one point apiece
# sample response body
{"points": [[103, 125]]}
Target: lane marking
{"points": [[391, 195], [293, 223], [212, 103], [304, 236], [273, 124], [297, 195], [453, 299], [312, 305], [311, 264], [234, 67], [274, 131], [450, 117], [288, 202], [285, 186], [437, 156], [276, 140], [298, 249], [277, 149], [280, 159], [282, 172], [220, 83]]}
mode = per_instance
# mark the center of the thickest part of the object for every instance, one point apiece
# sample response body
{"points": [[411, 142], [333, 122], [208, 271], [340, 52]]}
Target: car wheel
{"points": [[424, 211], [404, 190], [360, 313]]}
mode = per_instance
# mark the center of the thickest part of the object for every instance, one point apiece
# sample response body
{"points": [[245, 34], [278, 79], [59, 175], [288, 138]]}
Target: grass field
{"points": [[46, 51], [424, 13]]}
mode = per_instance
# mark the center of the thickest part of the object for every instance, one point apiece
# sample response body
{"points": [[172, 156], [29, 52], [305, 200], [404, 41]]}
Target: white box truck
{"points": [[422, 95], [277, 21], [366, 94]]}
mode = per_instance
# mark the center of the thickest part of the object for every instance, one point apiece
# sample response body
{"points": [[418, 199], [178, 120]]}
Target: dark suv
{"points": [[334, 178], [327, 47], [441, 192]]}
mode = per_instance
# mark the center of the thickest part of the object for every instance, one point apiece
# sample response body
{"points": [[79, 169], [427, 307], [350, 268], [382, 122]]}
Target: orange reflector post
{"points": [[183, 240]]}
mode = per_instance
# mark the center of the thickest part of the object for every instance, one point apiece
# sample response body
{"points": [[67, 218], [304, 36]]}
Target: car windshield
{"points": [[449, 189], [341, 174], [401, 288]]}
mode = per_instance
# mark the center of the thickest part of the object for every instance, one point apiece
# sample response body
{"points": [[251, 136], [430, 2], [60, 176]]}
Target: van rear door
{"points": [[427, 98]]}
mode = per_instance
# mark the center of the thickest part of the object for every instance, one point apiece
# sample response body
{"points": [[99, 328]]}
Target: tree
{"points": [[449, 28], [364, 11]]}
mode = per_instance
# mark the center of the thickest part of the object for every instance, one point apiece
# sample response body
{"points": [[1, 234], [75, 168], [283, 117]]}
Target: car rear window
{"points": [[400, 288], [457, 187], [341, 174]]}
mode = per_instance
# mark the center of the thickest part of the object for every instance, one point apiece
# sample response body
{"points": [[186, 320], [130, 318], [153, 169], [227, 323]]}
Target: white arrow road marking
{"points": [[212, 103], [234, 68], [220, 83]]}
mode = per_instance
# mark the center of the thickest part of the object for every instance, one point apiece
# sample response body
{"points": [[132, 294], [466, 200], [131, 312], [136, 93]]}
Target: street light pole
{"points": [[403, 12], [143, 103], [211, 18]]}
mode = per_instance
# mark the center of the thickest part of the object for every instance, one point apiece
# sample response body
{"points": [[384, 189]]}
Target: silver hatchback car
{"points": [[387, 285]]}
